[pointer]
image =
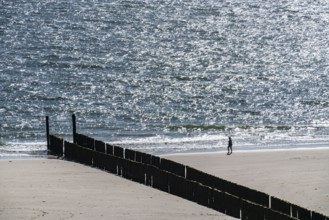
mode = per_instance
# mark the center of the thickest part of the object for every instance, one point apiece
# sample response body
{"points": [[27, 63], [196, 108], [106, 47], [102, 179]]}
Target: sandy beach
{"points": [[298, 176], [56, 189]]}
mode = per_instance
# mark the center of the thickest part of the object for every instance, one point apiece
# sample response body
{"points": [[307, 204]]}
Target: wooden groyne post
{"points": [[74, 125], [47, 130]]}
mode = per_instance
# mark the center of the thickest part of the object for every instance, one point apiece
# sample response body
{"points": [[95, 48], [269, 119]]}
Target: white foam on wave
{"points": [[216, 142], [23, 149]]}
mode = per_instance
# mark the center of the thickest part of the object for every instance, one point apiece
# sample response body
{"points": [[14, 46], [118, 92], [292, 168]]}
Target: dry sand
{"points": [[297, 176], [55, 189]]}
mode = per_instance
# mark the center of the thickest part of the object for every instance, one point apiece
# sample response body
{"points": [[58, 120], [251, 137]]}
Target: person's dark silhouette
{"points": [[229, 147]]}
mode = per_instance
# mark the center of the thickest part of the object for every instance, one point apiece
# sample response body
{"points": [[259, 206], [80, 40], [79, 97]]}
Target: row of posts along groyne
{"points": [[177, 179]]}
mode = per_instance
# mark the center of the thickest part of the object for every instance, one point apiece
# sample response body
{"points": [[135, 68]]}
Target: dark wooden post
{"points": [[47, 128], [74, 128]]}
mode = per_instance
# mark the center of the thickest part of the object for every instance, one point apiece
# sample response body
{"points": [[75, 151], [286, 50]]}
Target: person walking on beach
{"points": [[229, 147]]}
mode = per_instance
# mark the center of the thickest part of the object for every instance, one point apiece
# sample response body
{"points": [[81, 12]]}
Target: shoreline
{"points": [[249, 150], [45, 157], [220, 150]]}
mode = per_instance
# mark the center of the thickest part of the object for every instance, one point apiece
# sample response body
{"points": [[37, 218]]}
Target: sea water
{"points": [[165, 76]]}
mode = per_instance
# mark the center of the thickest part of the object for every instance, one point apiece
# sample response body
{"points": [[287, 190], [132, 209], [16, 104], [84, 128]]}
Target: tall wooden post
{"points": [[47, 129], [74, 128]]}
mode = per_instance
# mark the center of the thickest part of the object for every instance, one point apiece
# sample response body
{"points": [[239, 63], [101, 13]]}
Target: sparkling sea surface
{"points": [[165, 76]]}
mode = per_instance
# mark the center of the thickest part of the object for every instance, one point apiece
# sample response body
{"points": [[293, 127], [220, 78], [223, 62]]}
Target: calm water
{"points": [[165, 76]]}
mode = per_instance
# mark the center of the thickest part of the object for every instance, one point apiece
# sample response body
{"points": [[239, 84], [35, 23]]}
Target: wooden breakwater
{"points": [[186, 182]]}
